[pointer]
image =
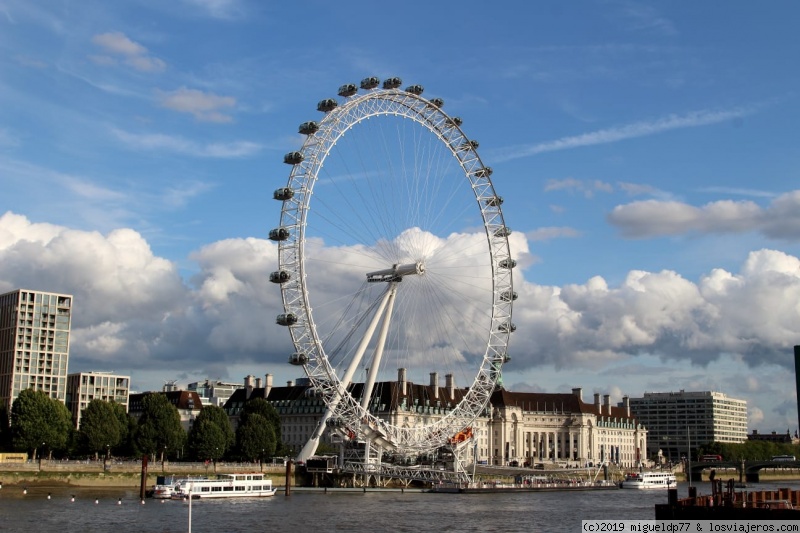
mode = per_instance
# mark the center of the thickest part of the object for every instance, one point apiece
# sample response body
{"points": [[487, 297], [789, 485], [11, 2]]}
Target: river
{"points": [[120, 511]]}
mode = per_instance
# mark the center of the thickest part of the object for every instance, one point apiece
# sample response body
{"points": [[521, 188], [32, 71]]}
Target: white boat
{"points": [[650, 480], [165, 488], [247, 485]]}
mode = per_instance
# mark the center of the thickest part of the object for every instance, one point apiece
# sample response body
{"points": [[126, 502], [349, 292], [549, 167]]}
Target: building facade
{"points": [[516, 428], [213, 392], [526, 428], [83, 387], [34, 343], [679, 422]]}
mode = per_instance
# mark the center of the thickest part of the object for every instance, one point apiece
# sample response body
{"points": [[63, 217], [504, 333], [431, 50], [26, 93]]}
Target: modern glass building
{"points": [[34, 343], [680, 421]]}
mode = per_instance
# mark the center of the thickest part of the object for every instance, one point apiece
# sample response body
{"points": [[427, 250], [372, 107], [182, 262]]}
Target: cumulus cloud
{"points": [[118, 47], [655, 218], [134, 311], [749, 315]]}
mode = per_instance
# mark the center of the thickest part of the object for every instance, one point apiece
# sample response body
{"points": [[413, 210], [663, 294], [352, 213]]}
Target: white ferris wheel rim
{"points": [[338, 120]]}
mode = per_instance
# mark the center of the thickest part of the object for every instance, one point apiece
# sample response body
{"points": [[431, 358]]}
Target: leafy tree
{"points": [[100, 428], [262, 407], [255, 437], [218, 417], [159, 429], [208, 440], [39, 421], [124, 425]]}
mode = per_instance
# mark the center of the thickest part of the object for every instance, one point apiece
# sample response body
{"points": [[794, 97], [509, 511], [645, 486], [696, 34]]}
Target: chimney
{"points": [[248, 385], [597, 403], [577, 391], [607, 403], [435, 384], [401, 378], [258, 383], [626, 403], [290, 383], [267, 385], [451, 386]]}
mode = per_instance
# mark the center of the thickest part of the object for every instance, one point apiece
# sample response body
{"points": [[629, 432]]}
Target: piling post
{"points": [[143, 482], [288, 487]]}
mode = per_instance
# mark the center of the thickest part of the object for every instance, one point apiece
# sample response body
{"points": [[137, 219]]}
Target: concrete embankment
{"points": [[98, 474]]}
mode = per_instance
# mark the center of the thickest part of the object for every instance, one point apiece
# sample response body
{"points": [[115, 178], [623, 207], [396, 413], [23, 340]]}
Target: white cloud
{"points": [[181, 145], [655, 218], [117, 44], [203, 106], [552, 232], [134, 312], [628, 131]]}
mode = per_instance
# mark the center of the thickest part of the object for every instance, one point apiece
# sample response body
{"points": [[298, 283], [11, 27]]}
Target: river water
{"points": [[120, 511]]}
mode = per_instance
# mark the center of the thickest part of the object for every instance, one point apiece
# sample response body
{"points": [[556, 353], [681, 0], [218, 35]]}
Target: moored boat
{"points": [[649, 480], [239, 485], [164, 489]]}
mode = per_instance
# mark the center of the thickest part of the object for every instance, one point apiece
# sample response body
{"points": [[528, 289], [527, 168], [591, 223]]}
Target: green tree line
{"points": [[42, 427], [751, 450]]}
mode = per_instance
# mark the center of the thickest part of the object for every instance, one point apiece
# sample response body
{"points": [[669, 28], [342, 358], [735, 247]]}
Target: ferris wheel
{"points": [[394, 265]]}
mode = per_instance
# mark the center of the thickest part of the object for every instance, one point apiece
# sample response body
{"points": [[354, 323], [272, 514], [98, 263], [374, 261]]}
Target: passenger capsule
{"points": [[454, 121], [437, 102], [284, 193], [507, 263], [370, 83], [415, 89], [298, 359], [311, 393], [506, 358], [505, 231], [286, 319], [327, 105], [279, 276], [293, 158], [470, 145], [507, 327], [483, 172], [348, 89], [308, 128], [495, 201], [392, 83], [278, 234], [508, 296]]}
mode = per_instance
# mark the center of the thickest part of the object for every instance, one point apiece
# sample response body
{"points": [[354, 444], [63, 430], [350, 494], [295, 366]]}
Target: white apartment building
{"points": [[34, 343], [83, 387], [682, 421]]}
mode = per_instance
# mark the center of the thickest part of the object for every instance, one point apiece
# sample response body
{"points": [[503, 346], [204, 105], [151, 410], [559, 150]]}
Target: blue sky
{"points": [[647, 152]]}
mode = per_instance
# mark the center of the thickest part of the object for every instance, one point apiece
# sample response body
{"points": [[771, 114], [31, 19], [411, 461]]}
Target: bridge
{"points": [[748, 470]]}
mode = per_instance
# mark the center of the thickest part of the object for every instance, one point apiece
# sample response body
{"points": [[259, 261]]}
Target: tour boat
{"points": [[649, 480], [248, 485], [165, 487]]}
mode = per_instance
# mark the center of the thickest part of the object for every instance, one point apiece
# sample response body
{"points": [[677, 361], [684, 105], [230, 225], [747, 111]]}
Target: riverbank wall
{"points": [[124, 474]]}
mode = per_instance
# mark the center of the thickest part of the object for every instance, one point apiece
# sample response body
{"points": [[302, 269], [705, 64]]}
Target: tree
{"points": [[100, 428], [207, 441], [159, 429], [217, 417], [124, 424], [39, 421], [262, 407], [255, 438]]}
